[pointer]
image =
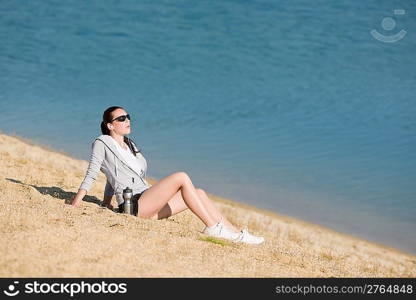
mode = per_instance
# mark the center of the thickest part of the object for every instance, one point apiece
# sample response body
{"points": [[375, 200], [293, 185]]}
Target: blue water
{"points": [[290, 106]]}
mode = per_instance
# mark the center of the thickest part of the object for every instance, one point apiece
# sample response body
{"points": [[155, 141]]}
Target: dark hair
{"points": [[107, 118]]}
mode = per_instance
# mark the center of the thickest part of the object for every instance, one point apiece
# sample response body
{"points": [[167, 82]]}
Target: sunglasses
{"points": [[121, 118]]}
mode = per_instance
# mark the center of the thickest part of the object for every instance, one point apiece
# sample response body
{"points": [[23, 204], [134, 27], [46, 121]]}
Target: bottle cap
{"points": [[127, 190]]}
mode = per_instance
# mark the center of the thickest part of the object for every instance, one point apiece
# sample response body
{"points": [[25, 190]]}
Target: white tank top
{"points": [[131, 160]]}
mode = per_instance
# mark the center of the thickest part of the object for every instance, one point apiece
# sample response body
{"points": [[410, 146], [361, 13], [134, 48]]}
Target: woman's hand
{"points": [[77, 201], [107, 202], [109, 206]]}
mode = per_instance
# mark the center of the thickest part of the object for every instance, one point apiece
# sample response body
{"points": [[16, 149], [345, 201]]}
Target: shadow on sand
{"points": [[57, 192]]}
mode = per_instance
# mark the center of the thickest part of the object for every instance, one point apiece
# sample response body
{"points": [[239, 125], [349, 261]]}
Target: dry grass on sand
{"points": [[41, 236]]}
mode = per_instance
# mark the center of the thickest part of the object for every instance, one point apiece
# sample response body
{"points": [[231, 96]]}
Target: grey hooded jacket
{"points": [[106, 157]]}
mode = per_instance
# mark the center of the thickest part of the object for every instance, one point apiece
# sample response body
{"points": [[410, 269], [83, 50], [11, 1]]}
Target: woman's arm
{"points": [[78, 197], [96, 160], [108, 195]]}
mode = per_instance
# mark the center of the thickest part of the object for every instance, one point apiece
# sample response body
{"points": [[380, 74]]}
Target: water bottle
{"points": [[127, 195]]}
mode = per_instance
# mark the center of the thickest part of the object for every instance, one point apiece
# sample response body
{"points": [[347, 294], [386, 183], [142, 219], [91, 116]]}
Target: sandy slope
{"points": [[41, 236]]}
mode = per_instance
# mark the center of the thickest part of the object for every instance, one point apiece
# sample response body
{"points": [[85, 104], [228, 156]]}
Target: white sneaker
{"points": [[248, 238], [219, 230]]}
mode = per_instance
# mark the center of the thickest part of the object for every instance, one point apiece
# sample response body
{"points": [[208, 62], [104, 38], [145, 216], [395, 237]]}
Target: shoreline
{"points": [[287, 243], [307, 223]]}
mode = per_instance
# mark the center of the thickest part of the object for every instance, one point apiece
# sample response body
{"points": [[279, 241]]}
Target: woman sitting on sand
{"points": [[124, 166]]}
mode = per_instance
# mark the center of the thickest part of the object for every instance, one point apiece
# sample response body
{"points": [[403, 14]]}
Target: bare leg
{"points": [[177, 205], [209, 204], [174, 206], [158, 195]]}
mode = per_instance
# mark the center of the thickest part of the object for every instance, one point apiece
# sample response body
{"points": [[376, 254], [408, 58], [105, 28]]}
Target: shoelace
{"points": [[221, 225], [244, 233], [240, 236]]}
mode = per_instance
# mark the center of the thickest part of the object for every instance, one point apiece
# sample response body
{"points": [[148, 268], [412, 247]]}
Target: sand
{"points": [[43, 236]]}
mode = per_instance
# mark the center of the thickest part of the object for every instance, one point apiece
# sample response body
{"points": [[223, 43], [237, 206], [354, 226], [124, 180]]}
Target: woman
{"points": [[120, 160]]}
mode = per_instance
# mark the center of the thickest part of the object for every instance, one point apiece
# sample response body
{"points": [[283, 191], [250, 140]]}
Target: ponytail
{"points": [[132, 146], [104, 129]]}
